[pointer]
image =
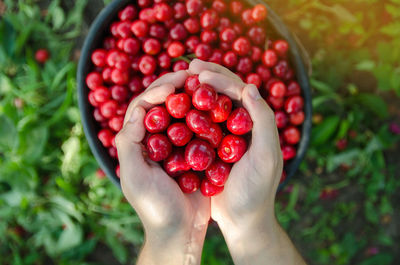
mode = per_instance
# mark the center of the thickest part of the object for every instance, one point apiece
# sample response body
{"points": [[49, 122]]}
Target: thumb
{"points": [[265, 140]]}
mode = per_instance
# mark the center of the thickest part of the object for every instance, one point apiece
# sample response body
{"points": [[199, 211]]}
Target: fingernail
{"points": [[134, 116], [253, 92]]}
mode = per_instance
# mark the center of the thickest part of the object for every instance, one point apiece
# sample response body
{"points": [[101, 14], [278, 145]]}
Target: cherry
{"points": [[276, 103], [278, 89], [135, 62], [281, 47], [140, 28], [236, 7], [163, 11], [116, 123], [239, 121], [259, 12], [232, 148], [254, 79], [151, 46], [281, 68], [218, 172], [199, 154], [135, 85], [105, 136], [119, 93], [91, 99], [147, 64], [198, 121], [289, 75], [341, 144], [128, 13], [245, 65], [157, 119], [157, 31], [192, 25], [178, 32], [109, 43], [106, 74], [113, 29], [224, 22], [296, 118], [294, 104], [191, 43], [109, 108], [203, 51], [123, 29], [176, 49], [164, 61], [209, 19], [158, 147], [216, 56], [238, 28], [222, 109], [256, 54], [227, 35], [293, 89], [179, 134], [101, 94], [131, 46], [194, 7], [175, 164], [288, 152], [247, 17], [148, 79], [209, 190], [98, 116], [213, 135], [94, 80], [204, 97], [117, 171], [219, 6], [269, 58], [180, 65], [178, 105], [99, 57], [148, 15], [263, 72], [144, 3], [241, 46], [230, 59], [119, 77], [257, 35], [42, 55], [191, 84], [291, 135], [179, 11], [208, 36], [189, 182], [281, 119], [112, 151], [122, 109]]}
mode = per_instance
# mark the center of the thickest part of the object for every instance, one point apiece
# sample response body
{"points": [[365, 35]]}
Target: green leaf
{"points": [[346, 157], [118, 249], [374, 103], [71, 236], [8, 133], [366, 65], [71, 162], [34, 142], [58, 17], [381, 259], [321, 133]]}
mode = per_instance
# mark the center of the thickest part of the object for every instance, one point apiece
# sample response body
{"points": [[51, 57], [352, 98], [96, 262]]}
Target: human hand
{"points": [[175, 223]]}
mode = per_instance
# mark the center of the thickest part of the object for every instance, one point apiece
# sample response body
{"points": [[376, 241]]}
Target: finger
{"points": [[223, 84], [265, 139], [177, 79], [197, 66], [148, 99], [201, 206]]}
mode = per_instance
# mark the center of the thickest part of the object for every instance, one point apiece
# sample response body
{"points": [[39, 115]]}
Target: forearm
{"points": [[262, 243]]}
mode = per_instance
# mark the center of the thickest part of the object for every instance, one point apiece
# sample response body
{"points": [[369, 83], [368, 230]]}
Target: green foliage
{"points": [[53, 205]]}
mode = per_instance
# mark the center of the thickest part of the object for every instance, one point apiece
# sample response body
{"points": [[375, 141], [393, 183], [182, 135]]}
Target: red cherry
{"points": [[191, 84], [239, 122], [289, 75], [204, 97], [222, 109], [216, 57], [288, 152], [232, 148], [199, 154], [224, 22], [99, 57], [278, 89], [189, 182], [178, 105], [281, 47], [191, 43], [238, 28], [227, 35], [209, 19], [209, 190], [158, 31], [164, 61], [275, 103], [101, 94], [341, 144], [113, 29], [180, 65], [218, 173], [42, 55], [148, 15], [119, 77], [208, 36], [192, 25], [117, 171], [124, 29], [119, 93], [140, 28], [151, 46], [247, 17], [106, 74], [236, 7], [109, 43], [230, 59], [259, 12], [257, 35], [105, 136], [176, 49], [241, 46], [254, 79], [269, 58], [256, 54], [147, 64], [293, 89], [194, 7], [281, 68], [148, 79], [294, 104], [291, 135], [135, 85], [281, 119], [116, 123], [245, 65], [163, 11], [179, 11], [178, 32], [91, 99], [98, 116], [131, 46], [122, 109], [175, 164], [213, 135], [109, 108], [219, 6], [203, 51], [263, 72], [144, 3], [112, 151], [158, 147], [198, 121], [128, 13], [296, 118], [94, 80], [179, 134], [157, 119]]}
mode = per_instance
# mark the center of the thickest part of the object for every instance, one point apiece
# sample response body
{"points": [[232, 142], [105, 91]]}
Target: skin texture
{"points": [[175, 223]]}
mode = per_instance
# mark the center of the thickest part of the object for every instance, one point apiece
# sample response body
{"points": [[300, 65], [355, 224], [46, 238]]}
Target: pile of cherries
{"points": [[153, 37]]}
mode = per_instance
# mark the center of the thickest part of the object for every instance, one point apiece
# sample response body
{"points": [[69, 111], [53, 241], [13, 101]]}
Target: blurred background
{"points": [[342, 207]]}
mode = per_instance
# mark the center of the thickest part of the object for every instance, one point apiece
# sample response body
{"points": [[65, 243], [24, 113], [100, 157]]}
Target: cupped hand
{"points": [[249, 194], [171, 219]]}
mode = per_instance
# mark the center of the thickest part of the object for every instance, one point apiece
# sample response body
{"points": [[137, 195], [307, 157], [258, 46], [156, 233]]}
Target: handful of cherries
{"points": [[197, 136]]}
